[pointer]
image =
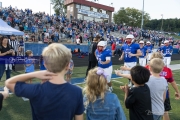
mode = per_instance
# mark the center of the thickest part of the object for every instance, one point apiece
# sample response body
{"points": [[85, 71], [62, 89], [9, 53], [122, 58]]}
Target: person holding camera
{"points": [[6, 51]]}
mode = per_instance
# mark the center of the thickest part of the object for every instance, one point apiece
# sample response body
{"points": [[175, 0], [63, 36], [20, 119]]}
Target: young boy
{"points": [[158, 86], [55, 98], [3, 95], [138, 99]]}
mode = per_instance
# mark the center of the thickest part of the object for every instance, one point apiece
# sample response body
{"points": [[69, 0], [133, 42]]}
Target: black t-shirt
{"points": [[1, 100], [3, 49], [92, 50], [139, 103]]}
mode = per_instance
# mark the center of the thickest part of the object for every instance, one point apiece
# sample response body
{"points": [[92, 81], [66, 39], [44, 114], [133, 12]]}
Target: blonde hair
{"points": [[28, 52], [96, 86], [156, 65], [156, 55], [56, 57]]}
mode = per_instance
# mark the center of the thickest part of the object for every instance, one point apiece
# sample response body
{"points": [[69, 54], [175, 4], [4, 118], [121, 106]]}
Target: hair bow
{"points": [[101, 72]]}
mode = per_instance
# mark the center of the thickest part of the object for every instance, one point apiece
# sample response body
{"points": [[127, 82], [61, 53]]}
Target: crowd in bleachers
{"points": [[44, 27]]}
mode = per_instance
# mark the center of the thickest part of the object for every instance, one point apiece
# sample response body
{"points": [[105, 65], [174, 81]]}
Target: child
{"points": [[29, 63], [70, 71], [3, 95], [99, 103], [158, 86], [54, 99], [21, 47], [138, 98], [167, 74]]}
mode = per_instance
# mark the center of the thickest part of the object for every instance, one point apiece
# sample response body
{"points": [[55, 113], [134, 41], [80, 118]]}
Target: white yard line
{"points": [[79, 83], [117, 81]]}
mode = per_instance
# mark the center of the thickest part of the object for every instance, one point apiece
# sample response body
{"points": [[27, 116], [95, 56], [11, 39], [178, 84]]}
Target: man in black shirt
{"points": [[92, 58]]}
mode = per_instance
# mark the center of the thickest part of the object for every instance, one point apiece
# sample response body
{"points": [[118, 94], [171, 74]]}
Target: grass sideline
{"points": [[15, 108]]}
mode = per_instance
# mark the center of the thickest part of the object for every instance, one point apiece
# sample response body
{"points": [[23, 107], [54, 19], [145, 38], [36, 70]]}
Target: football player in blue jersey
{"points": [[149, 47], [160, 48], [142, 58], [130, 53], [167, 52], [104, 56]]}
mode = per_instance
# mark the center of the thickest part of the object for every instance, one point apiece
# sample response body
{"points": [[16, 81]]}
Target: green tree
{"points": [[130, 16], [58, 6], [169, 25]]}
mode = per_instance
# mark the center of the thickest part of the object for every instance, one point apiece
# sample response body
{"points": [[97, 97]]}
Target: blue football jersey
{"points": [[167, 51], [149, 48], [143, 50], [130, 49], [101, 57]]}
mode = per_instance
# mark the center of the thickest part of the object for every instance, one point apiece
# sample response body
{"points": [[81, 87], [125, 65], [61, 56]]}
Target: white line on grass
{"points": [[117, 81], [79, 83], [178, 85]]}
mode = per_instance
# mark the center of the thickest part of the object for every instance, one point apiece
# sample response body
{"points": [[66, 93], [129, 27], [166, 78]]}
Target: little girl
{"points": [[70, 71], [99, 103], [29, 63]]}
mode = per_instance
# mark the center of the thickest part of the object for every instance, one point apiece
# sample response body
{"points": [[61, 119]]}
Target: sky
{"points": [[156, 8]]}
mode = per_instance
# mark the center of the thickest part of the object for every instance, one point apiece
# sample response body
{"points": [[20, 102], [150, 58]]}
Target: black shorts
{"points": [[167, 105]]}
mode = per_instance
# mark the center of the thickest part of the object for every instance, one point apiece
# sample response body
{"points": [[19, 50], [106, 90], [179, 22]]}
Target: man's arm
{"points": [[122, 56], [139, 53]]}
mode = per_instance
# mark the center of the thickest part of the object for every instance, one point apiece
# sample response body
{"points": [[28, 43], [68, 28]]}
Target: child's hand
{"points": [[5, 93], [118, 72], [44, 75], [125, 88], [177, 96], [122, 88], [123, 68]]}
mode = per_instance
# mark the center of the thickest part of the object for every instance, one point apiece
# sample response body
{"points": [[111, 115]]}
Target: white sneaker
{"points": [[25, 99]]}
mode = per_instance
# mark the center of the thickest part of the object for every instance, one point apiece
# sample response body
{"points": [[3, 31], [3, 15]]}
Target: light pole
{"points": [[142, 22], [162, 23], [50, 9]]}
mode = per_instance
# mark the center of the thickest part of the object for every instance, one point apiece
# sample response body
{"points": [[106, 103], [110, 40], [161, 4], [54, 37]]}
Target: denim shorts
{"points": [[157, 117]]}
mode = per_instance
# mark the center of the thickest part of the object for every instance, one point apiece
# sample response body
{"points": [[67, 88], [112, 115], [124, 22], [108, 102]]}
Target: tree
{"points": [[130, 16], [58, 7], [169, 25]]}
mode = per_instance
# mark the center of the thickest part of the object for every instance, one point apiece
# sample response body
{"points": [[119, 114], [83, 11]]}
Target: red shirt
{"points": [[166, 73], [113, 46]]}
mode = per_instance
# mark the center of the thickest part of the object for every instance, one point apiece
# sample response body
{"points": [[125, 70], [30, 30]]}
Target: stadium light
{"points": [[142, 22], [162, 23]]}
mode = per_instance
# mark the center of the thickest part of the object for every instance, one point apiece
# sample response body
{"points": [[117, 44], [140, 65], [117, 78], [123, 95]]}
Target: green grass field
{"points": [[15, 108]]}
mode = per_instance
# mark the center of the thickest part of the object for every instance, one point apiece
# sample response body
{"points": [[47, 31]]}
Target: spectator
{"points": [[99, 103], [59, 103], [6, 50], [3, 95], [138, 98]]}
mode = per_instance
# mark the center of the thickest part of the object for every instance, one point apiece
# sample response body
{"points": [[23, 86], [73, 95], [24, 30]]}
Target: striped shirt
{"points": [[14, 44]]}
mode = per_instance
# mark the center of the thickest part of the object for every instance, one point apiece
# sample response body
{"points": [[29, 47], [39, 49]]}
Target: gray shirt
{"points": [[157, 88]]}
